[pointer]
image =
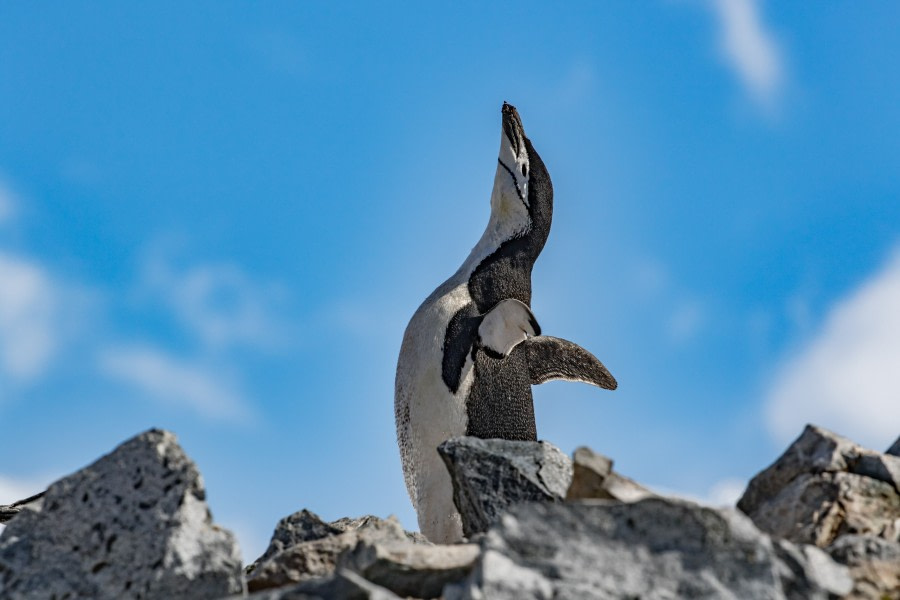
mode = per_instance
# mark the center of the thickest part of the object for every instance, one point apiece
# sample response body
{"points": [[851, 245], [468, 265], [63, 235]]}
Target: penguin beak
{"points": [[512, 128]]}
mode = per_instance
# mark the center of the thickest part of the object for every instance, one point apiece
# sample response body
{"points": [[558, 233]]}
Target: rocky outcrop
{"points": [[593, 478], [305, 547], [134, 524], [652, 548], [342, 585], [874, 565], [489, 476], [894, 450], [829, 491], [411, 570], [825, 486]]}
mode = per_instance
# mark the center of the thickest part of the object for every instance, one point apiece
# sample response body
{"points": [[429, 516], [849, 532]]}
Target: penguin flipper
{"points": [[506, 326], [552, 358]]}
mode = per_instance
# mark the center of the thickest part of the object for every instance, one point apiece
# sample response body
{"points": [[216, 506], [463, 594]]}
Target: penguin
{"points": [[473, 349]]}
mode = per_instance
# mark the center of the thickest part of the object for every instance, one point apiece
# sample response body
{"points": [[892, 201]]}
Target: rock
{"points": [[651, 549], [343, 585], [593, 478], [305, 547], [825, 486], [134, 524], [894, 450], [491, 475], [8, 511], [410, 569], [874, 565]]}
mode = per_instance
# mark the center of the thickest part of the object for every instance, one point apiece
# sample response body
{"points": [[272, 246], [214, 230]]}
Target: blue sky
{"points": [[217, 218]]}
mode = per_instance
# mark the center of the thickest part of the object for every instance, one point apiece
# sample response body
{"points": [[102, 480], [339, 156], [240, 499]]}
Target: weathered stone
{"points": [[651, 549], [410, 569], [894, 450], [874, 565], [342, 585], [134, 524], [305, 547], [593, 478], [825, 486], [491, 475]]}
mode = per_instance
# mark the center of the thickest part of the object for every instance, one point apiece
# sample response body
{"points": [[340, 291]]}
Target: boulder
{"points": [[409, 569], [491, 475], [874, 565], [654, 548], [342, 584], [593, 478], [134, 524], [305, 547], [894, 450], [825, 486]]}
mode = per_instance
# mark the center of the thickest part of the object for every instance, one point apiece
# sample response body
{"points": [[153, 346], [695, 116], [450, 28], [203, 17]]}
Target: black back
{"points": [[500, 404]]}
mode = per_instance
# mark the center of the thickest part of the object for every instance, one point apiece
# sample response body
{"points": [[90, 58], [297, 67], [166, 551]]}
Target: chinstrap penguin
{"points": [[473, 349]]}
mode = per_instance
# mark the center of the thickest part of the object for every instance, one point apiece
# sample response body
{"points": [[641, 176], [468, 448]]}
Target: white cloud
{"points": [[29, 317], [200, 387], [749, 49], [847, 377], [218, 302], [725, 492]]}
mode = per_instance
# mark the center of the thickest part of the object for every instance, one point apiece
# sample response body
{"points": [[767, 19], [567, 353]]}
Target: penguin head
{"points": [[521, 201]]}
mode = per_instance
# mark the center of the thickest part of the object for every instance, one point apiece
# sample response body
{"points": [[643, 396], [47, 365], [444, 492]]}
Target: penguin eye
{"points": [[524, 171]]}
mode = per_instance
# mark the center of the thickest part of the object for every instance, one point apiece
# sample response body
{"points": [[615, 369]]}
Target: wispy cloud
{"points": [[208, 391], [217, 301], [30, 317], [685, 321], [749, 48], [846, 377]]}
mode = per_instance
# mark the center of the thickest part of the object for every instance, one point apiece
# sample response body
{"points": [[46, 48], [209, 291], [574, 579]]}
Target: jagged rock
{"points": [[305, 547], [825, 486], [134, 524], [490, 475], [655, 548], [593, 478], [874, 565], [410, 569], [342, 585], [894, 450]]}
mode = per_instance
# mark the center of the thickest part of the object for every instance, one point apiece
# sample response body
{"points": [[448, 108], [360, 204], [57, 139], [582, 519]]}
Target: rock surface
{"points": [[489, 476], [342, 585], [134, 524], [593, 478], [825, 486], [409, 569], [894, 450], [874, 565], [651, 549], [305, 547]]}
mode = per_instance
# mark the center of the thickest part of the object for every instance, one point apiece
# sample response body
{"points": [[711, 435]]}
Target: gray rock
{"points": [[593, 478], [651, 549], [305, 547], [894, 450], [874, 565], [491, 475], [410, 569], [134, 524], [342, 585], [825, 486]]}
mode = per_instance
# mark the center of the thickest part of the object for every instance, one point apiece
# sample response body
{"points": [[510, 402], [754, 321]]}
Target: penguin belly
{"points": [[428, 413]]}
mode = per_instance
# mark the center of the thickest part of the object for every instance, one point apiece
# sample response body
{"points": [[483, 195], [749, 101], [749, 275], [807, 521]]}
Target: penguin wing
{"points": [[552, 358], [506, 326]]}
